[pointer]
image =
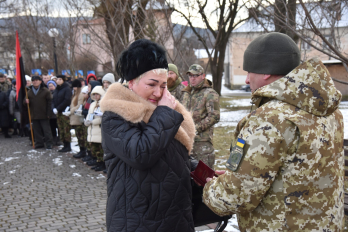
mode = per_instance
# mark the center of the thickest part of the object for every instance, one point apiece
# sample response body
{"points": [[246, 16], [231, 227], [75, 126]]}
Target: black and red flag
{"points": [[20, 76]]}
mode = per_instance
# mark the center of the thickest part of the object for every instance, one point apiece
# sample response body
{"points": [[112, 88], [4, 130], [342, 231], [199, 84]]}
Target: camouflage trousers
{"points": [[81, 135], [64, 128], [97, 151], [204, 151]]}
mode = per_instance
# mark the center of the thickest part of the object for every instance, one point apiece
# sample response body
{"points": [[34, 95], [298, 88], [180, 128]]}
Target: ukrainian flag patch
{"points": [[240, 143]]}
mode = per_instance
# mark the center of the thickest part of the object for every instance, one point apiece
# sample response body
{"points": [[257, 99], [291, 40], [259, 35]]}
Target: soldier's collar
{"points": [[199, 86]]}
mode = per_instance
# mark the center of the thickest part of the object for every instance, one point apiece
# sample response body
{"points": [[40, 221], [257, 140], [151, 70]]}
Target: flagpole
{"points": [[31, 127]]}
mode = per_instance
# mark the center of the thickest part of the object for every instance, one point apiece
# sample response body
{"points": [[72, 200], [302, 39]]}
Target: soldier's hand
{"points": [[167, 99], [217, 172], [27, 101], [220, 172]]}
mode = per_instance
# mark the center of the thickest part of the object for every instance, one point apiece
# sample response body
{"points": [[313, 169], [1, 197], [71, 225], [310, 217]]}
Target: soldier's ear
{"points": [[266, 76]]}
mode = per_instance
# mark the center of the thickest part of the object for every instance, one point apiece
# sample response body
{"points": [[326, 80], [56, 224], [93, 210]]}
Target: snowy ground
{"points": [[230, 118], [232, 226], [344, 110]]}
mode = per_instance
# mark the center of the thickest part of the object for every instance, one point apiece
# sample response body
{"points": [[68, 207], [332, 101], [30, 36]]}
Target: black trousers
{"points": [[42, 132], [54, 127]]}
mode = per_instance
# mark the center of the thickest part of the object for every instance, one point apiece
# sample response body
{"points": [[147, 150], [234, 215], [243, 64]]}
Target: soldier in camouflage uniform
{"points": [[4, 84], [174, 84], [203, 102], [61, 100], [286, 165]]}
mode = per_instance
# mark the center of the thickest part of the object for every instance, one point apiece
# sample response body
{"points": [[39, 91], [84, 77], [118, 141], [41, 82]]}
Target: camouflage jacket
{"points": [[4, 87], [176, 90], [203, 103], [291, 177]]}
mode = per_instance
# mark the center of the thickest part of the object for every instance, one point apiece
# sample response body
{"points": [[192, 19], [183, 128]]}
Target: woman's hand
{"points": [[167, 99]]}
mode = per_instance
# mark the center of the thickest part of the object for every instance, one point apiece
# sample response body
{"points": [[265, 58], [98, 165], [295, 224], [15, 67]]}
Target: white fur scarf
{"points": [[132, 108]]}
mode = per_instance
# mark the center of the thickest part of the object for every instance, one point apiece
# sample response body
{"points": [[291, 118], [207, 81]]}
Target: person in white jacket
{"points": [[93, 121]]}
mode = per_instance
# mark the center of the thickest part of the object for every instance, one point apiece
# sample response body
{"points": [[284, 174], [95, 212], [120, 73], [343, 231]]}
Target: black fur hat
{"points": [[76, 83], [33, 78], [141, 56], [62, 76]]}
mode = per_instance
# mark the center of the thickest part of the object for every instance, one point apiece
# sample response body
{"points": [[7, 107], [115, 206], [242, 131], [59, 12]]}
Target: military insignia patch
{"points": [[236, 155]]}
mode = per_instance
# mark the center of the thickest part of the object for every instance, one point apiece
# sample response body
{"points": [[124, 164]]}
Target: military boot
{"points": [[88, 157], [81, 154], [101, 166], [66, 148]]}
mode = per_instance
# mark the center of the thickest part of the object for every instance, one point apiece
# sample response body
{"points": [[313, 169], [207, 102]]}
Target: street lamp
{"points": [[53, 32]]}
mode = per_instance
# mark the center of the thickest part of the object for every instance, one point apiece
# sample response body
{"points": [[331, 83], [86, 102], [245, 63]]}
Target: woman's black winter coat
{"points": [[148, 182], [62, 97]]}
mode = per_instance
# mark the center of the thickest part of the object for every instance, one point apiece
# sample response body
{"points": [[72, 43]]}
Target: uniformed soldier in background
{"points": [[174, 84], [285, 171], [203, 102], [61, 100]]}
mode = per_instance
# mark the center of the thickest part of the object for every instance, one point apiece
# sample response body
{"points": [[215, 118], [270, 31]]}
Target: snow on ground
{"points": [[344, 110], [57, 161], [10, 158], [240, 102], [224, 89], [345, 120], [231, 118], [74, 147], [232, 225]]}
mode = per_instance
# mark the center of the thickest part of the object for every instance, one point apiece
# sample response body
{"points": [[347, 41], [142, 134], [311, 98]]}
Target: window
{"points": [[86, 38], [329, 39], [304, 45]]}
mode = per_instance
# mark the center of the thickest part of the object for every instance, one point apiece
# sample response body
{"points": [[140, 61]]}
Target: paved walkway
{"points": [[44, 190]]}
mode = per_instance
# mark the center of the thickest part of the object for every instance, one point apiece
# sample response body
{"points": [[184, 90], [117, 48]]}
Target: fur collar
{"points": [[132, 108]]}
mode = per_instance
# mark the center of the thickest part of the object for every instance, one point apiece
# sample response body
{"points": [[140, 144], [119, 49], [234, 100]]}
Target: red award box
{"points": [[201, 173]]}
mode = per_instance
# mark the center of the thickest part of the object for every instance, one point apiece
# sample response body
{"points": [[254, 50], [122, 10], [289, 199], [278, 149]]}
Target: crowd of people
{"points": [[55, 105], [58, 104]]}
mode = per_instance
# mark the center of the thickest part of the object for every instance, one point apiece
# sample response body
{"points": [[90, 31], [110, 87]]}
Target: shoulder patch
{"points": [[236, 155]]}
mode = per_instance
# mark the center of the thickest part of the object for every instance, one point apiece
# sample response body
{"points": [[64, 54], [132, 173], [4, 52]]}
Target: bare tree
{"points": [[318, 24], [226, 13]]}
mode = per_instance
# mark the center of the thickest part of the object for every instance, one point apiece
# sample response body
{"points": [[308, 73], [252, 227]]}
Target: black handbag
{"points": [[202, 215]]}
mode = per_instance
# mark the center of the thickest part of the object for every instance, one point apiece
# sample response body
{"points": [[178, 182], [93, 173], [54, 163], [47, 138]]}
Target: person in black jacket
{"points": [[61, 100], [4, 112], [146, 136], [39, 100]]}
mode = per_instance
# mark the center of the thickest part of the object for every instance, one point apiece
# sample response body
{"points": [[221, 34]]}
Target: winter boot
{"points": [[5, 130], [101, 166], [88, 157], [92, 162], [66, 148], [15, 126], [81, 154]]}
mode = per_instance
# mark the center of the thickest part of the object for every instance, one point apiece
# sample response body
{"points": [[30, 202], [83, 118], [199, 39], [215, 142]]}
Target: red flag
{"points": [[20, 76]]}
